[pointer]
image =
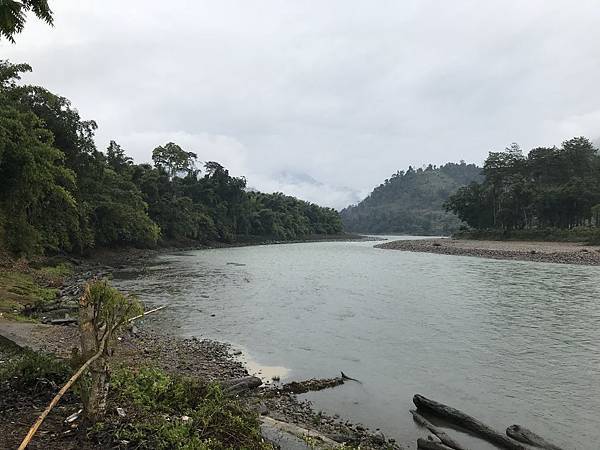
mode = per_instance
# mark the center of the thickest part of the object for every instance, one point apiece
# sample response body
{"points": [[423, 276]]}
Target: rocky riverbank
{"points": [[208, 360], [550, 252], [284, 416]]}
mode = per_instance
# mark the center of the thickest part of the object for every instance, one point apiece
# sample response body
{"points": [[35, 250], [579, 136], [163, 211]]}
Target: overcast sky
{"points": [[323, 99]]}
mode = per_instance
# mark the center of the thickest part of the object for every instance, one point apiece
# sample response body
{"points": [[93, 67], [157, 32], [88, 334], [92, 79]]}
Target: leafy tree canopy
{"points": [[551, 187], [59, 193], [411, 202], [13, 15]]}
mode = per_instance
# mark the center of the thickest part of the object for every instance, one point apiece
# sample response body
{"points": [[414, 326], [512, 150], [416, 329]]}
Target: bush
{"points": [[33, 372], [176, 412]]}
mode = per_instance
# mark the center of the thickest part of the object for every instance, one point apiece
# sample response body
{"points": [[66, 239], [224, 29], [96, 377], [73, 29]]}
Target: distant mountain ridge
{"points": [[411, 202]]}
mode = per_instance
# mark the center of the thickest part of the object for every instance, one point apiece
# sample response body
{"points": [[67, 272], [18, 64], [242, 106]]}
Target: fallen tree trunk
{"points": [[468, 422], [239, 385], [426, 444], [526, 436], [314, 384], [441, 434], [65, 321]]}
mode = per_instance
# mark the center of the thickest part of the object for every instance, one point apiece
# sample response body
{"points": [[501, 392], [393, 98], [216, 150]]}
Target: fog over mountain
{"points": [[346, 92]]}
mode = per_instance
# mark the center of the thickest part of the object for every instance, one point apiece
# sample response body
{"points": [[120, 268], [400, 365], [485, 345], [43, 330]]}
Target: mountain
{"points": [[411, 202]]}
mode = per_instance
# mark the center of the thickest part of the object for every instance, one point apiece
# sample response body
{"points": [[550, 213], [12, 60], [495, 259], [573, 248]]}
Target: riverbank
{"points": [[550, 252], [148, 346], [283, 416]]}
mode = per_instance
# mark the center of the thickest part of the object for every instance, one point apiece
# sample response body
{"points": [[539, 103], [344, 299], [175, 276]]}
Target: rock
{"points": [[343, 438], [378, 438]]}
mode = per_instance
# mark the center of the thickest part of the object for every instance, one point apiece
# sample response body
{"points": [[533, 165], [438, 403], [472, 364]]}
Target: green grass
{"points": [[30, 371], [162, 411], [21, 288], [176, 412], [60, 270]]}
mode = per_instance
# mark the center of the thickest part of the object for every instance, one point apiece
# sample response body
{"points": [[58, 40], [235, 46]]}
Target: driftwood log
{"points": [[526, 436], [314, 384], [467, 422], [346, 377], [441, 434], [65, 321], [240, 385], [427, 444]]}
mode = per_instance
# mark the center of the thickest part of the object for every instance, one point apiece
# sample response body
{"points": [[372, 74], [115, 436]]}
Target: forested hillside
{"points": [[411, 202], [58, 192], [550, 188]]}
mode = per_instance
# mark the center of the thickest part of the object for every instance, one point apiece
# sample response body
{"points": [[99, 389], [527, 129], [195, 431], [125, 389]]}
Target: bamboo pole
{"points": [[145, 313], [64, 389]]}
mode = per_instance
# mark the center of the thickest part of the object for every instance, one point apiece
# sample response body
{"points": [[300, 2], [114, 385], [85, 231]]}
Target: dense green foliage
{"points": [[411, 202], [59, 193], [13, 14], [163, 411], [176, 412], [550, 188], [33, 372]]}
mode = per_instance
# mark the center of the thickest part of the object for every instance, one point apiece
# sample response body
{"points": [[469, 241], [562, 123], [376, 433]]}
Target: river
{"points": [[507, 341]]}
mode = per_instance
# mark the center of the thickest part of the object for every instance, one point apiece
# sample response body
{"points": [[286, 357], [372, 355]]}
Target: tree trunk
{"points": [[98, 393], [95, 395], [468, 422]]}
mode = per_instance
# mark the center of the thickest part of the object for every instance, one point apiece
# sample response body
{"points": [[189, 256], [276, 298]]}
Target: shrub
{"points": [[177, 412], [33, 372]]}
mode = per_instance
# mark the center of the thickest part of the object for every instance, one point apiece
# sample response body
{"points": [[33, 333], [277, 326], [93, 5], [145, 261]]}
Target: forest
{"points": [[552, 188], [411, 201], [59, 193]]}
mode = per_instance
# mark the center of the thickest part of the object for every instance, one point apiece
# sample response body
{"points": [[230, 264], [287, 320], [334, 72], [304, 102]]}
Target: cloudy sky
{"points": [[323, 99]]}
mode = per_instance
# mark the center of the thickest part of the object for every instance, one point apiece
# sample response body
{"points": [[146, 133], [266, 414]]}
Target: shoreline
{"points": [[533, 251], [282, 413]]}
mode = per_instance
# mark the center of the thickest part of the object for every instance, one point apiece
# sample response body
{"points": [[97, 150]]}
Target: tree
{"points": [[59, 193], [102, 312], [34, 179], [117, 159], [551, 187], [412, 202], [173, 160], [13, 15]]}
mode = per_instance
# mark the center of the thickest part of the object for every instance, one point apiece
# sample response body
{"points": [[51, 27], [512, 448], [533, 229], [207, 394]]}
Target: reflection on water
{"points": [[508, 341]]}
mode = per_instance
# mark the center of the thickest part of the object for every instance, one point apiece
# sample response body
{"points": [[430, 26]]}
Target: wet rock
{"points": [[378, 438]]}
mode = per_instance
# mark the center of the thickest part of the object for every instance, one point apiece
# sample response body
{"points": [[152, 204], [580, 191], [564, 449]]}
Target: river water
{"points": [[506, 341]]}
